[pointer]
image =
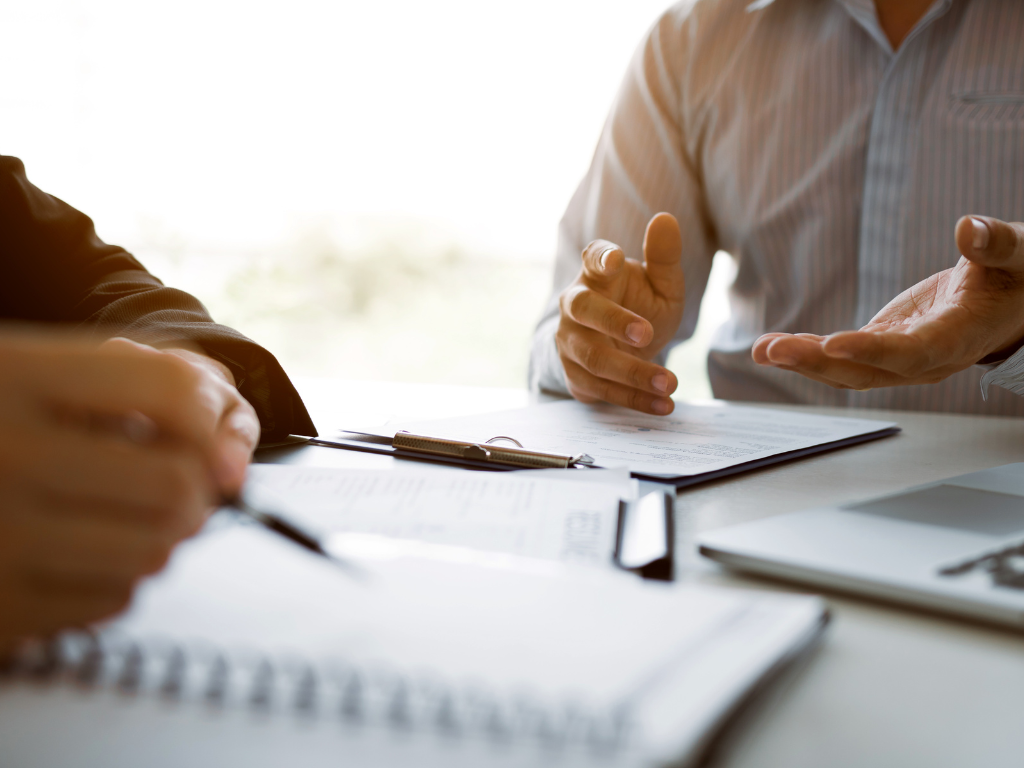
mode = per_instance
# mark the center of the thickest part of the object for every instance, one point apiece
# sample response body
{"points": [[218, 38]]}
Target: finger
{"points": [[787, 348], [760, 349], [907, 354], [121, 344], [586, 387], [122, 378], [991, 242], [89, 548], [589, 308], [159, 485], [816, 377], [165, 521], [590, 351], [663, 251], [194, 354], [806, 357], [168, 479], [237, 438], [861, 381], [602, 263], [79, 585], [40, 610]]}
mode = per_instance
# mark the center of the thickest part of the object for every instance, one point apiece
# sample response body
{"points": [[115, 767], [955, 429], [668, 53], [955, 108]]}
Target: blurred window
{"points": [[372, 190]]}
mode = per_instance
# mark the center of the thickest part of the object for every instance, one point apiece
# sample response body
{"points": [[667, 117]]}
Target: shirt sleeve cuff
{"points": [[1008, 374], [546, 371]]}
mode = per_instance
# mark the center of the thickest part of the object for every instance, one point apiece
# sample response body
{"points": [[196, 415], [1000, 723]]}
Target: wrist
{"points": [[1003, 354]]}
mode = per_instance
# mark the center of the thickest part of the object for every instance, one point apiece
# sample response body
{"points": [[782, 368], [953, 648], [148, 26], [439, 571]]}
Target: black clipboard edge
{"points": [[662, 568], [684, 481]]}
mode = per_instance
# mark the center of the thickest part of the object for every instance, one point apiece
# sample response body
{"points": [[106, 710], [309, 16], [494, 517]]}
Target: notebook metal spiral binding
{"points": [[357, 696]]}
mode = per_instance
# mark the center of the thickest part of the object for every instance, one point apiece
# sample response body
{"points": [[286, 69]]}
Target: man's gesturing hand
{"points": [[942, 325], [617, 315]]}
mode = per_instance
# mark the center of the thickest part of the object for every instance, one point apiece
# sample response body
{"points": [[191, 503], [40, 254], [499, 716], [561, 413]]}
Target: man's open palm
{"points": [[942, 325], [618, 315]]}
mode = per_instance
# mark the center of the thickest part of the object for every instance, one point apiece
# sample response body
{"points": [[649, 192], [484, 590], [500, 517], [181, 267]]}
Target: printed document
{"points": [[693, 440], [529, 516]]}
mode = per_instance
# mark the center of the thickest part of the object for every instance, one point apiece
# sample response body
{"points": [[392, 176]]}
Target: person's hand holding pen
{"points": [[617, 315], [87, 509]]}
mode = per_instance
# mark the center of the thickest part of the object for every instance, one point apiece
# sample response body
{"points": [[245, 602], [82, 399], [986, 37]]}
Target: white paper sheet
{"points": [[693, 440], [528, 516]]}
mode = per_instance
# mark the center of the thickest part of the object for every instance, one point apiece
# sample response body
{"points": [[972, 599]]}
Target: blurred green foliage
{"points": [[399, 308], [391, 300]]}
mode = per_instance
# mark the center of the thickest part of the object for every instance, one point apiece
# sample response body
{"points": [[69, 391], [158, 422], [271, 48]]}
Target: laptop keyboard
{"points": [[1005, 567]]}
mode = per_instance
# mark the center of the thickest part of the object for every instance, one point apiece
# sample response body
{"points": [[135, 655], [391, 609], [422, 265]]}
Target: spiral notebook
{"points": [[250, 651]]}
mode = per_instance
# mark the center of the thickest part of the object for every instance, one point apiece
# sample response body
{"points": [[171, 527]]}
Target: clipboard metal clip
{"points": [[489, 452]]}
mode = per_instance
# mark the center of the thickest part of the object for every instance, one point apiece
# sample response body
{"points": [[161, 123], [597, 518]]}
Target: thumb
{"points": [[663, 249], [991, 243], [602, 264]]}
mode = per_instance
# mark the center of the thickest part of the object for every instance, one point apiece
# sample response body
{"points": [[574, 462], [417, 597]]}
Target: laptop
{"points": [[955, 546]]}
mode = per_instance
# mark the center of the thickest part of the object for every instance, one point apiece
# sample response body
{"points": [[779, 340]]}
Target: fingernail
{"points": [[782, 358], [660, 382], [661, 407], [604, 257], [635, 332], [981, 234], [834, 350]]}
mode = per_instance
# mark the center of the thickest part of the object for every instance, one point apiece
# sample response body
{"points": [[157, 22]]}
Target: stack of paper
{"points": [[516, 513]]}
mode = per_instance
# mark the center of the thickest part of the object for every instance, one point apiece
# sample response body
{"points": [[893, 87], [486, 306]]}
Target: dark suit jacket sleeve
{"points": [[54, 269]]}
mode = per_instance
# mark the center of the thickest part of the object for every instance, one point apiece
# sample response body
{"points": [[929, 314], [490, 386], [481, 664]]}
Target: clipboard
{"points": [[496, 458]]}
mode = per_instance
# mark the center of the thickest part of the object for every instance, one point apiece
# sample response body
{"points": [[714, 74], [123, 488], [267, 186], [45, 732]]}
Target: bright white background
{"points": [[370, 189]]}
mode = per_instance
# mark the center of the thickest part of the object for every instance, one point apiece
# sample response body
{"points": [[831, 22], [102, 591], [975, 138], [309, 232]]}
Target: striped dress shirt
{"points": [[830, 167]]}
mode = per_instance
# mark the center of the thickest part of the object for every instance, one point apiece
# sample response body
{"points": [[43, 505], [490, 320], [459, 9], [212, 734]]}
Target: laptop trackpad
{"points": [[951, 506]]}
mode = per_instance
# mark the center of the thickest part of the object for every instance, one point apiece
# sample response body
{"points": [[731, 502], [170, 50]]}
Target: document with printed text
{"points": [[531, 516], [694, 440]]}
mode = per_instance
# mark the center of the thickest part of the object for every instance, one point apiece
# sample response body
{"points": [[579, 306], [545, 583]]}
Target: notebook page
{"points": [[589, 636], [533, 516], [529, 644]]}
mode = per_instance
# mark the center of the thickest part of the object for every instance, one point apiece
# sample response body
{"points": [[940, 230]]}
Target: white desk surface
{"points": [[890, 686]]}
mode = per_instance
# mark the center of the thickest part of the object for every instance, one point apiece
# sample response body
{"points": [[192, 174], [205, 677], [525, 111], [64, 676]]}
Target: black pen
{"points": [[290, 531], [140, 430]]}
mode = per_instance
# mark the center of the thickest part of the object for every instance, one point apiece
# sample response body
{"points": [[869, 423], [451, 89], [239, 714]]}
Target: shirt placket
{"points": [[890, 151]]}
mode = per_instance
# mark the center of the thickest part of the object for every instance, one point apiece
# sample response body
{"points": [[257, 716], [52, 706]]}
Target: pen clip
{"points": [[580, 460]]}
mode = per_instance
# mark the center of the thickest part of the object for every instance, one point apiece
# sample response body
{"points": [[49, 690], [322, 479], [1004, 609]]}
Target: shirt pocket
{"points": [[969, 159], [988, 106]]}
